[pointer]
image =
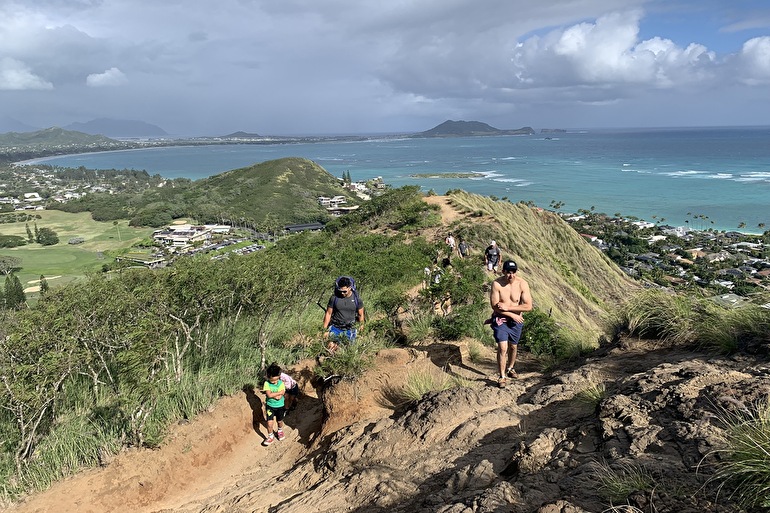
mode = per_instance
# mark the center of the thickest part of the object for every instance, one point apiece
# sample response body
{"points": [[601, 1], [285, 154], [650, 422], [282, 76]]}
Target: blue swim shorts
{"points": [[340, 334], [506, 330]]}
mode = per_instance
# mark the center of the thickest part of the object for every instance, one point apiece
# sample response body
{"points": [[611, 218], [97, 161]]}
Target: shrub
{"points": [[540, 334], [617, 482], [350, 360], [463, 322]]}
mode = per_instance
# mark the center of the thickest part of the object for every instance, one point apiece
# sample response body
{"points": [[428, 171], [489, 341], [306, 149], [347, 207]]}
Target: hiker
{"points": [[492, 256], [450, 241], [462, 248], [342, 311], [275, 390], [292, 392], [509, 299]]}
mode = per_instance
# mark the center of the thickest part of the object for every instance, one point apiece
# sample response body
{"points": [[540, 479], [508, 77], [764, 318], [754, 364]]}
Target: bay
{"points": [[698, 177]]}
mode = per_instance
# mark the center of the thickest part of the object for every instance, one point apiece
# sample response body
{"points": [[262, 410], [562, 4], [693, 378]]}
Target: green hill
{"points": [[51, 137], [286, 189], [570, 279], [265, 195]]}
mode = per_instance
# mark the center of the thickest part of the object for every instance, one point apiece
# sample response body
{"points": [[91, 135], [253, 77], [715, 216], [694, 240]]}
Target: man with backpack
{"points": [[343, 310], [492, 256]]}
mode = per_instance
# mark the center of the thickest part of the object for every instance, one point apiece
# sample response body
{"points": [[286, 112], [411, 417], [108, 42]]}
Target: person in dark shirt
{"points": [[343, 311]]}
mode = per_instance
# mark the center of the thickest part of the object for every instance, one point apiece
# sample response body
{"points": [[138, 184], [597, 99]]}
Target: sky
{"points": [[301, 67]]}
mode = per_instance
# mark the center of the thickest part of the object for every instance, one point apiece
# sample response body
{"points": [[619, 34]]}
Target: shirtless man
{"points": [[509, 299]]}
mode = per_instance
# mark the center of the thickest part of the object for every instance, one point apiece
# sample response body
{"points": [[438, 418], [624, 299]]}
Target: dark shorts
{"points": [[274, 413], [506, 330], [293, 391]]}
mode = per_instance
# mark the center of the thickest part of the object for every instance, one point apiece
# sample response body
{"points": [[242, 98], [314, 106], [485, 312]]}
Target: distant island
{"points": [[470, 129]]}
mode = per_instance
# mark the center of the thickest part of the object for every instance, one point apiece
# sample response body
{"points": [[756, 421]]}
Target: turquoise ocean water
{"points": [[702, 178]]}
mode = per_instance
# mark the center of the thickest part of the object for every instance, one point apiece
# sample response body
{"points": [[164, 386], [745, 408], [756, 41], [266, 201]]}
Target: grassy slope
{"points": [[567, 276], [66, 260], [285, 190]]}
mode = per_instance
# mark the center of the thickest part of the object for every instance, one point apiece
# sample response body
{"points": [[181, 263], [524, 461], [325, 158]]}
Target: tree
{"points": [[47, 237], [14, 293], [43, 285], [30, 236], [8, 264], [117, 227]]}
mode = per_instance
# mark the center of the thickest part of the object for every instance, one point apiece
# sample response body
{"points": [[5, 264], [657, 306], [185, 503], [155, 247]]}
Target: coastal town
{"points": [[731, 265]]}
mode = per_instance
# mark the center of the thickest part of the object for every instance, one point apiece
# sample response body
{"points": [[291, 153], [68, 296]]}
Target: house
{"points": [[296, 228], [183, 235], [729, 300]]}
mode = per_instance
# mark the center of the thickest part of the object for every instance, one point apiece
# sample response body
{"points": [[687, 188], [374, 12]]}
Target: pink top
{"points": [[288, 381]]}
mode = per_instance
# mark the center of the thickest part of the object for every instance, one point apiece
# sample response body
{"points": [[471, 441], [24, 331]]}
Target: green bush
{"points": [[464, 321], [540, 334]]}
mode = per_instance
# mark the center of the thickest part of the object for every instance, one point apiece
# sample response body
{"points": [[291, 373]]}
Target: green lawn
{"points": [[65, 262]]}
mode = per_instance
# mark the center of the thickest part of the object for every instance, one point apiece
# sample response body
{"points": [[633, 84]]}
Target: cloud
{"points": [[111, 77], [754, 60], [17, 76], [303, 66], [608, 55]]}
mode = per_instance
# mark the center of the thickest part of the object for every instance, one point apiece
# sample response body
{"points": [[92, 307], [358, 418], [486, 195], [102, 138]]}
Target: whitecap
{"points": [[683, 173]]}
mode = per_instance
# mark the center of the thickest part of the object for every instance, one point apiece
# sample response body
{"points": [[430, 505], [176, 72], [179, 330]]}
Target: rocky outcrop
{"points": [[536, 446]]}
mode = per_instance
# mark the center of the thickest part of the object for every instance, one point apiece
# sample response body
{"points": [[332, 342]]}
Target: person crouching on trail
{"points": [[509, 299], [342, 311]]}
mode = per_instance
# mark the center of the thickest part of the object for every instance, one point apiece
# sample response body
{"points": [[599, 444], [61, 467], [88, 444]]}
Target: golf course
{"points": [[65, 262]]}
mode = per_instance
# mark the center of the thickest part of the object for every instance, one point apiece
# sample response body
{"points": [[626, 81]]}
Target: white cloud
{"points": [[608, 54], [17, 76], [111, 77], [304, 66], [755, 61]]}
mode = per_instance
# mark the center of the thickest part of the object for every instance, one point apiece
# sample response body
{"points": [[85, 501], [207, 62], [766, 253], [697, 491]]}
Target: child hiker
{"points": [[275, 390], [292, 392]]}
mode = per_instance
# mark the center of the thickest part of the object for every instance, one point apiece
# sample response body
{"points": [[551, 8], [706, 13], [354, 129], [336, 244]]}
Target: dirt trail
{"points": [[218, 449]]}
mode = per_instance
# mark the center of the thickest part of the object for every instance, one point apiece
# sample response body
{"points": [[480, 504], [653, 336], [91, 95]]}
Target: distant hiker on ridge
{"points": [[509, 299], [492, 256], [462, 248]]}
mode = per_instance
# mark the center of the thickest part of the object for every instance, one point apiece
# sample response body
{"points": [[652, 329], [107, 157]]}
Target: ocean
{"points": [[698, 177]]}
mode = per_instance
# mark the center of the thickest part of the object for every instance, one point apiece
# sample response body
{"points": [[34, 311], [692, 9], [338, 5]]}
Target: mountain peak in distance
{"points": [[117, 128]]}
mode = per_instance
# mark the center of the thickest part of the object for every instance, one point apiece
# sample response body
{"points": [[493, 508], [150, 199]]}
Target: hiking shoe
{"points": [[270, 439], [511, 373], [501, 381], [280, 435]]}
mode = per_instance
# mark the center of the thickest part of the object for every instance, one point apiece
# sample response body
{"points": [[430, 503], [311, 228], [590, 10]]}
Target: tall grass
{"points": [[688, 320], [729, 330], [420, 382], [745, 466], [616, 482], [656, 314]]}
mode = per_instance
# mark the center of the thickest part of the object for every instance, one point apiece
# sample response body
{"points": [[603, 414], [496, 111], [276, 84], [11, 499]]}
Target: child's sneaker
{"points": [[270, 439], [511, 373], [280, 434]]}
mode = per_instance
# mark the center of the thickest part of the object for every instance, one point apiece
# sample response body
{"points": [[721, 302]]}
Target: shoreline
{"points": [[516, 173]]}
